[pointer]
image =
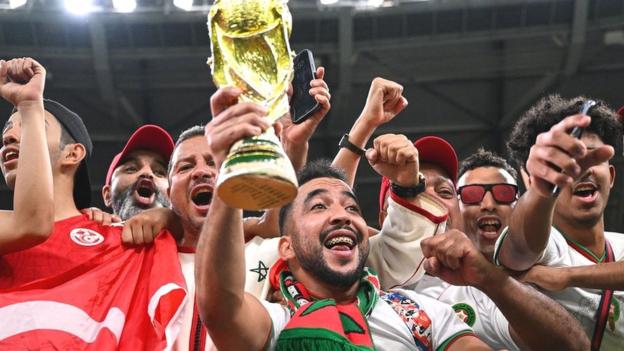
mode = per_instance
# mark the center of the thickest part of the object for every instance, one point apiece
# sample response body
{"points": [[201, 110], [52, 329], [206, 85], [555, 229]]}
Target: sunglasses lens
{"points": [[471, 194], [504, 193]]}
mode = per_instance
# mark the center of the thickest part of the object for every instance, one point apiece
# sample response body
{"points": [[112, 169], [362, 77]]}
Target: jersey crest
{"points": [[466, 313], [86, 237]]}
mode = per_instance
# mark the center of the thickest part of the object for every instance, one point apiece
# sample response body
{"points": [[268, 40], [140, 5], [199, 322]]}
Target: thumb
{"points": [[224, 98], [597, 156], [372, 155]]}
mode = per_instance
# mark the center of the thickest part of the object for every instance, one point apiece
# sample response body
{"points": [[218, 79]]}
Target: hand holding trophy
{"points": [[250, 50]]}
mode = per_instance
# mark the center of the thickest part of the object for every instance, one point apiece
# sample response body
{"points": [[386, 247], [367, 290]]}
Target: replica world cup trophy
{"points": [[250, 50]]}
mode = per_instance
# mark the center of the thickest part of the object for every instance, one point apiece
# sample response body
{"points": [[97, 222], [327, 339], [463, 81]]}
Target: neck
{"points": [[64, 205], [190, 238], [591, 236], [321, 290]]}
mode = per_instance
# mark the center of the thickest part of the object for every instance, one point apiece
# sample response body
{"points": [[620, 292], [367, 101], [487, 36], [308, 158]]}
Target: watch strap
{"points": [[344, 142]]}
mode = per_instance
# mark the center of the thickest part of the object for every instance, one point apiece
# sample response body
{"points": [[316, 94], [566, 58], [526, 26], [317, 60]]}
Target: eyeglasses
{"points": [[473, 194]]}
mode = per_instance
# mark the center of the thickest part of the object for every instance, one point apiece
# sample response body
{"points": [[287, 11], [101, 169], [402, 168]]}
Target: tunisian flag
{"points": [[106, 298]]}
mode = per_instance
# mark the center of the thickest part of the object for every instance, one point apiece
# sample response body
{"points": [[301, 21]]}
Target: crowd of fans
{"points": [[459, 260]]}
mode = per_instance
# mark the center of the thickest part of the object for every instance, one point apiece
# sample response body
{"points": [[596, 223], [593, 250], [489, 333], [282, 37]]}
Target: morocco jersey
{"points": [[472, 306], [582, 303], [82, 289]]}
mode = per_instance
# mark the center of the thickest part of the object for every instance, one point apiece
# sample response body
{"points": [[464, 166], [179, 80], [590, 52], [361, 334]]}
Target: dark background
{"points": [[469, 68]]}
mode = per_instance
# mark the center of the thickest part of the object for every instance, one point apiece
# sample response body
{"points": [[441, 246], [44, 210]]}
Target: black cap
{"points": [[75, 127]]}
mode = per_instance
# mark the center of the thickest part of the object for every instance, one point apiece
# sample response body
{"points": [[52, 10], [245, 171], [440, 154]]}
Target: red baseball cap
{"points": [[431, 149], [148, 137], [621, 113]]}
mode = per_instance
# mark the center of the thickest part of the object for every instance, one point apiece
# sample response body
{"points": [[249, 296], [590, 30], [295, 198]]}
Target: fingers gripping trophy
{"points": [[250, 50]]}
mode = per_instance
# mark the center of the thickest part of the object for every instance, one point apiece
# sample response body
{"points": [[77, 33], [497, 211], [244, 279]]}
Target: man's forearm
{"points": [[535, 321], [34, 198], [297, 153], [347, 160], [220, 263], [529, 229], [598, 276]]}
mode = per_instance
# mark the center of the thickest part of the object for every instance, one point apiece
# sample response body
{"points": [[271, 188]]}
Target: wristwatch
{"points": [[344, 142], [412, 191]]}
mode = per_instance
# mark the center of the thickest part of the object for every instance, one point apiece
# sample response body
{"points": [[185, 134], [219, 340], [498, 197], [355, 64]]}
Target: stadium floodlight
{"points": [[13, 4], [186, 5], [328, 2], [79, 7], [375, 3], [125, 6]]}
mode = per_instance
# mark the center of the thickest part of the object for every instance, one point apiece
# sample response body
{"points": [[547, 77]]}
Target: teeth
{"points": [[340, 240], [10, 155]]}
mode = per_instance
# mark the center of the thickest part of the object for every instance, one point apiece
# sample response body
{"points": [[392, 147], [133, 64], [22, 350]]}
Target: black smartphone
{"points": [[302, 104]]}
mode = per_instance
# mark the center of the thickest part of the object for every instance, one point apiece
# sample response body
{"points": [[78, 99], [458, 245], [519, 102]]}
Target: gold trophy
{"points": [[250, 50]]}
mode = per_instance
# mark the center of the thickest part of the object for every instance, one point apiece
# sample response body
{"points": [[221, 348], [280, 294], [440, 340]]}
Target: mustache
{"points": [[201, 180], [359, 236]]}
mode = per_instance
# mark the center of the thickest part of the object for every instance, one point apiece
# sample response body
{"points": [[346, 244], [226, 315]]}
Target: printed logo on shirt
{"points": [[614, 313], [261, 270], [466, 313], [86, 237]]}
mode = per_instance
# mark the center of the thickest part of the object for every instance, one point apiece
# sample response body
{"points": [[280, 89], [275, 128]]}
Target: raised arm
{"points": [[536, 322], [557, 158], [395, 253], [384, 102], [235, 320], [22, 83], [295, 139]]}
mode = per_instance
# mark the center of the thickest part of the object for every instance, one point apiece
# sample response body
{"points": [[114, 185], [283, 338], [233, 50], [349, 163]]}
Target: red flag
{"points": [[83, 290]]}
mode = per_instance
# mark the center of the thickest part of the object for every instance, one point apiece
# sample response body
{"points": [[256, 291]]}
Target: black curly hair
{"points": [[550, 111], [321, 168], [484, 158]]}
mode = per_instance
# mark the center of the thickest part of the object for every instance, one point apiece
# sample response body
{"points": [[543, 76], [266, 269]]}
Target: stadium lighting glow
{"points": [[125, 6], [328, 2], [79, 7], [375, 3], [185, 5], [13, 4]]}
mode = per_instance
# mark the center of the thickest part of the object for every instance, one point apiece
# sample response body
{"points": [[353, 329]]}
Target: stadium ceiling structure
{"points": [[470, 68]]}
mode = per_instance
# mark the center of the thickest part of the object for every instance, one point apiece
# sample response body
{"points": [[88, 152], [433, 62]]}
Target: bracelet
{"points": [[412, 191], [344, 142]]}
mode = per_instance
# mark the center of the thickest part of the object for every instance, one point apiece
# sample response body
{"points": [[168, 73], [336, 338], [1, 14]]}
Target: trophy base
{"points": [[257, 175], [256, 192]]}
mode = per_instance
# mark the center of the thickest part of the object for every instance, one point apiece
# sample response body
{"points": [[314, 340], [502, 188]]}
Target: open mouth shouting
{"points": [[341, 242], [10, 155], [145, 192], [586, 191], [489, 226], [201, 196]]}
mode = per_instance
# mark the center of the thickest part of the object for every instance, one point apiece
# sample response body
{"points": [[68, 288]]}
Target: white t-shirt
{"points": [[190, 316], [472, 306], [389, 331], [583, 303]]}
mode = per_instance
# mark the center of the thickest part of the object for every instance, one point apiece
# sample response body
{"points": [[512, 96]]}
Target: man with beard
{"points": [[81, 288], [567, 229], [192, 174], [336, 302], [137, 177], [323, 221]]}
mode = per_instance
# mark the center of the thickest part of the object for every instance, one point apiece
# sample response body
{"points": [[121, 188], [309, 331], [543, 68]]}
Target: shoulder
{"points": [[617, 243]]}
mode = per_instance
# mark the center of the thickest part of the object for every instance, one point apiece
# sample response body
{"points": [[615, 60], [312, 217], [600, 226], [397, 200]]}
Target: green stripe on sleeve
{"points": [[498, 245], [453, 338]]}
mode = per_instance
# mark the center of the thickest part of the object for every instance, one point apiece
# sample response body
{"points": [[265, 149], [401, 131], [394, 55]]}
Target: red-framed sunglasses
{"points": [[473, 194]]}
